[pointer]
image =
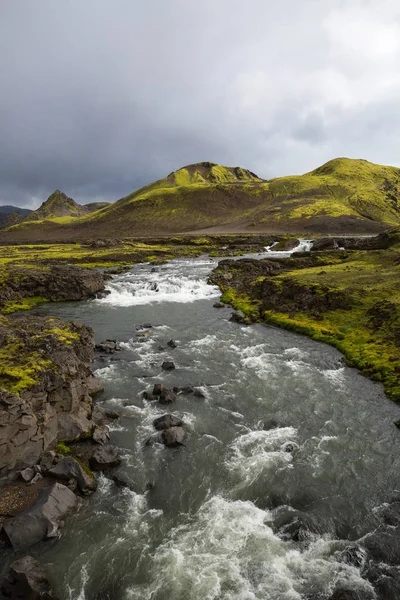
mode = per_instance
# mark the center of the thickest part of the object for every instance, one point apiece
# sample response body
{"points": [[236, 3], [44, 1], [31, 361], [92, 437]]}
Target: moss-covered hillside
{"points": [[342, 196]]}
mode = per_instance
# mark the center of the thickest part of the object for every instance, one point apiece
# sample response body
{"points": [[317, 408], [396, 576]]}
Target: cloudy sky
{"points": [[99, 97]]}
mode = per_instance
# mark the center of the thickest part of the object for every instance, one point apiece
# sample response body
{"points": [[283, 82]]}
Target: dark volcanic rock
{"points": [[174, 436], [105, 457], [43, 519], [55, 283], [166, 397], [158, 389], [239, 317], [27, 580], [68, 468], [168, 365], [55, 407], [108, 346], [167, 421]]}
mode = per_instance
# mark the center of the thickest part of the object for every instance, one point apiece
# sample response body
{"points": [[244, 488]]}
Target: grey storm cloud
{"points": [[102, 96]]}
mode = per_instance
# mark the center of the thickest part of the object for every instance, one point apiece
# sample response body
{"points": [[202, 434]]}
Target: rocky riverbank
{"points": [[46, 406], [350, 299]]}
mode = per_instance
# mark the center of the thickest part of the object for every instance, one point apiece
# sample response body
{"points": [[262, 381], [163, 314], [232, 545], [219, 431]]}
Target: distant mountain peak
{"points": [[58, 204]]}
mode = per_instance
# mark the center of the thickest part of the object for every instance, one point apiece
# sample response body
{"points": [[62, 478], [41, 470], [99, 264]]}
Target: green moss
{"points": [[63, 449], [23, 304], [238, 301]]}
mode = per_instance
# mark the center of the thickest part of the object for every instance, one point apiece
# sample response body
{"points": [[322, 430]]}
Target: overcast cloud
{"points": [[99, 97]]}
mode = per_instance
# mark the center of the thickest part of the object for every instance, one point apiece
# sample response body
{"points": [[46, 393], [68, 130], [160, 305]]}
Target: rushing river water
{"points": [[214, 520]]}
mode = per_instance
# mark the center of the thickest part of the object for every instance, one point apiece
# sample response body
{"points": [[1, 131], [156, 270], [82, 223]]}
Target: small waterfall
{"points": [[304, 245]]}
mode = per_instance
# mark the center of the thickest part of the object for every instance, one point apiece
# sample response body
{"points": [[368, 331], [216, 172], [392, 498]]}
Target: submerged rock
{"points": [[43, 519], [168, 365], [27, 580], [172, 344], [174, 436]]}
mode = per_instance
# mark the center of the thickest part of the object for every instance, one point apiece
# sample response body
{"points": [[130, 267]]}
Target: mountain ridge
{"points": [[341, 196]]}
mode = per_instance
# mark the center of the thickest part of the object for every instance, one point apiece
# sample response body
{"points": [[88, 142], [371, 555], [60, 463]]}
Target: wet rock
{"points": [[103, 294], [104, 458], [391, 514], [154, 287], [172, 344], [43, 519], [101, 435], [68, 468], [168, 365], [219, 305], [144, 326], [27, 474], [187, 389], [198, 393], [166, 397], [27, 580], [167, 421], [239, 317], [108, 346], [295, 525], [158, 389], [121, 480], [102, 415], [174, 436]]}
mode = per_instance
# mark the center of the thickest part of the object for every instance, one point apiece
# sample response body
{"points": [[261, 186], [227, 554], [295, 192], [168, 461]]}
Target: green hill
{"points": [[57, 205], [342, 196]]}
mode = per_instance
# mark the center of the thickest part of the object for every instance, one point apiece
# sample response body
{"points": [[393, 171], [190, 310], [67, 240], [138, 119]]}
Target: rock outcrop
{"points": [[45, 386], [27, 580], [61, 282], [43, 519]]}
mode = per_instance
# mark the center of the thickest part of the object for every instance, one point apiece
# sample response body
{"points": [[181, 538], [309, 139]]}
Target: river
{"points": [[219, 518]]}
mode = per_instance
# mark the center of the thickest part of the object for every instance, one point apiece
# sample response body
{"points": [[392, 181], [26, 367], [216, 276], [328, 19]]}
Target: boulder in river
{"points": [[172, 344], [168, 365], [43, 519], [158, 389], [108, 346], [105, 457], [166, 397], [68, 468], [27, 579], [239, 317], [167, 421], [174, 436]]}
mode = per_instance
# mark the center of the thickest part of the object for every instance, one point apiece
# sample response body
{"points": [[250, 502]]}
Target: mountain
{"points": [[11, 215], [342, 196], [57, 205]]}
